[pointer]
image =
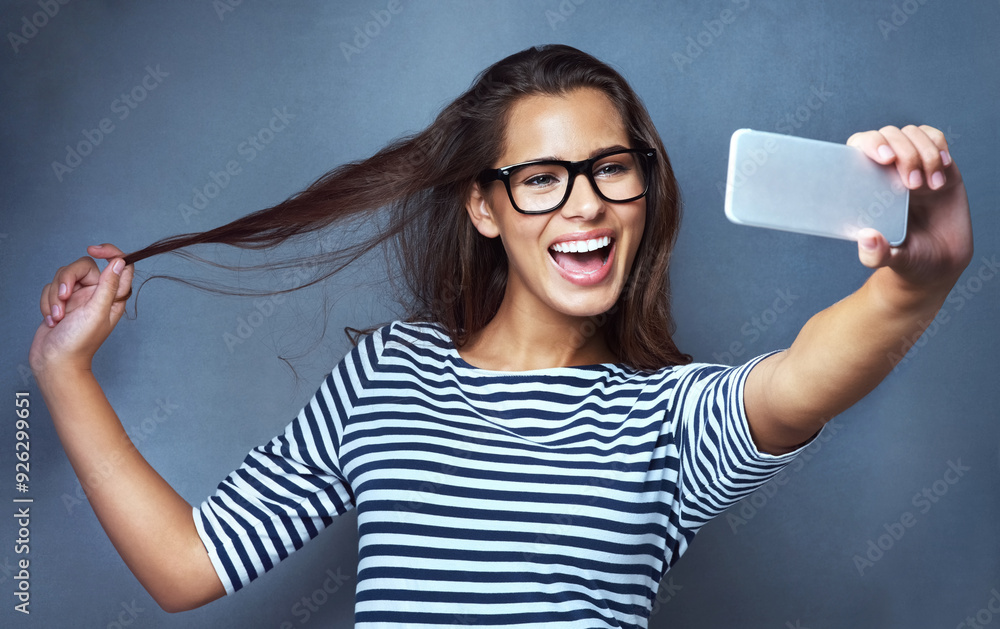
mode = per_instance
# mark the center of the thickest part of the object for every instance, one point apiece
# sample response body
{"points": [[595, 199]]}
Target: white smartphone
{"points": [[812, 187]]}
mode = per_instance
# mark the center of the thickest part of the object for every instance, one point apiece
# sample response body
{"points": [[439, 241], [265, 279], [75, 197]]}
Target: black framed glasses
{"points": [[543, 186]]}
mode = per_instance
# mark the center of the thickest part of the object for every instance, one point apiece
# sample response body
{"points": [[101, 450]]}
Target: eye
{"points": [[611, 169], [539, 177], [540, 181]]}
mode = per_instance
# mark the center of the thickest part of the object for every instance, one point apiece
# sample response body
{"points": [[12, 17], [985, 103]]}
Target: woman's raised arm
{"points": [[149, 524], [844, 351]]}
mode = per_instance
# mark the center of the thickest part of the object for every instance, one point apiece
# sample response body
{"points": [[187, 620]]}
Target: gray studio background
{"points": [[338, 81]]}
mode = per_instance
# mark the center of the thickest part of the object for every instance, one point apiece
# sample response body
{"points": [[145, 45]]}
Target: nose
{"points": [[583, 201]]}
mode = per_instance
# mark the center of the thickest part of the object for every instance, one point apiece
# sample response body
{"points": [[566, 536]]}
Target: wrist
{"points": [[51, 376], [903, 296]]}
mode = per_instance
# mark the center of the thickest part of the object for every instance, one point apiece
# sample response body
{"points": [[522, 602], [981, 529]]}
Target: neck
{"points": [[521, 341]]}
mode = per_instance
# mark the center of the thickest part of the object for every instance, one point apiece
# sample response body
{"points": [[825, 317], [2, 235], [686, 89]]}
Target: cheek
{"points": [[522, 233], [520, 244], [638, 225]]}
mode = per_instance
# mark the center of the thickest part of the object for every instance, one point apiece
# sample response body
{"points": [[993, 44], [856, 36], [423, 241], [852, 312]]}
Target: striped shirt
{"points": [[553, 497]]}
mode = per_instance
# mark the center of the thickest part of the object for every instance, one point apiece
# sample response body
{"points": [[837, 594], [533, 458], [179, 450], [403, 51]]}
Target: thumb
{"points": [[873, 249], [107, 285]]}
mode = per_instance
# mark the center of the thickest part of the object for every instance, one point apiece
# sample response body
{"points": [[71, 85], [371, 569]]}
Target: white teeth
{"points": [[574, 246]]}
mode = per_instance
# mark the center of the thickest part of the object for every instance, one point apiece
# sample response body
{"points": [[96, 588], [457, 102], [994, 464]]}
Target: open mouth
{"points": [[582, 256]]}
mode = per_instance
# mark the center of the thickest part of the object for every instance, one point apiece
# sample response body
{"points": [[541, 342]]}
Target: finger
{"points": [[45, 307], [83, 272], [935, 135], [873, 249], [105, 251], [930, 156], [874, 145], [908, 159], [940, 141], [125, 284], [52, 305], [107, 287], [49, 294]]}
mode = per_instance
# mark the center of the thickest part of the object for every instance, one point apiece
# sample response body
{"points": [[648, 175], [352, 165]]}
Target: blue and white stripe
{"points": [[555, 497]]}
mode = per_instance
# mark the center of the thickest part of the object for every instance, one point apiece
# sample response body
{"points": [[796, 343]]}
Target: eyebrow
{"points": [[594, 153]]}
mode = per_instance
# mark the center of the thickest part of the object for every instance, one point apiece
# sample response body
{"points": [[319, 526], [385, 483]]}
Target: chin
{"points": [[587, 306]]}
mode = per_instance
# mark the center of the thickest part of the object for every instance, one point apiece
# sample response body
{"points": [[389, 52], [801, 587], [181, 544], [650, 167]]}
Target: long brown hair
{"points": [[416, 188]]}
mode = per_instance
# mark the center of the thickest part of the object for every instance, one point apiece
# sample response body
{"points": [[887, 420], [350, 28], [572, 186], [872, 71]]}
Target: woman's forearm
{"points": [[839, 356], [147, 521]]}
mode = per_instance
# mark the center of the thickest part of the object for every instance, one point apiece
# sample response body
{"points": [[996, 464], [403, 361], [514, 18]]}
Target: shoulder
{"points": [[405, 339], [699, 386]]}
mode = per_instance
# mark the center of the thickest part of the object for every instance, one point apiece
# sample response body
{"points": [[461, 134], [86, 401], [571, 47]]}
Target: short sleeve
{"points": [[719, 462], [289, 489]]}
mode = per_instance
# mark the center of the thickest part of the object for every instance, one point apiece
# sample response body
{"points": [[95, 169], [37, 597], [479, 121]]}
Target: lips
{"points": [[583, 258]]}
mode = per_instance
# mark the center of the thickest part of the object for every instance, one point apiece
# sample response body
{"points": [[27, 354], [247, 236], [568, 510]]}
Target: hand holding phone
{"points": [[812, 187]]}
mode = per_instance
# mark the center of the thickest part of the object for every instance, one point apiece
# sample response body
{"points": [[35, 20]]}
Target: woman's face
{"points": [[576, 126]]}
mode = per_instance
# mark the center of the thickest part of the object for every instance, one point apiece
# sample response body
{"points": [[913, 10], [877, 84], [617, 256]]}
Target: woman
{"points": [[529, 447]]}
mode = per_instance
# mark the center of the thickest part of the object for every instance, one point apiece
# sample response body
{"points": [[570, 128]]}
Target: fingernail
{"points": [[62, 290], [915, 178], [885, 152], [945, 158], [48, 320], [937, 180], [118, 266], [869, 242], [56, 310]]}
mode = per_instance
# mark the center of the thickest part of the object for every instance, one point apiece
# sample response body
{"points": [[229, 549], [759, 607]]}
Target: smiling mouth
{"points": [[584, 256]]}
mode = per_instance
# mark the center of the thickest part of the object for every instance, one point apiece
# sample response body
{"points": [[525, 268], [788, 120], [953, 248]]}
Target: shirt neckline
{"points": [[456, 358]]}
